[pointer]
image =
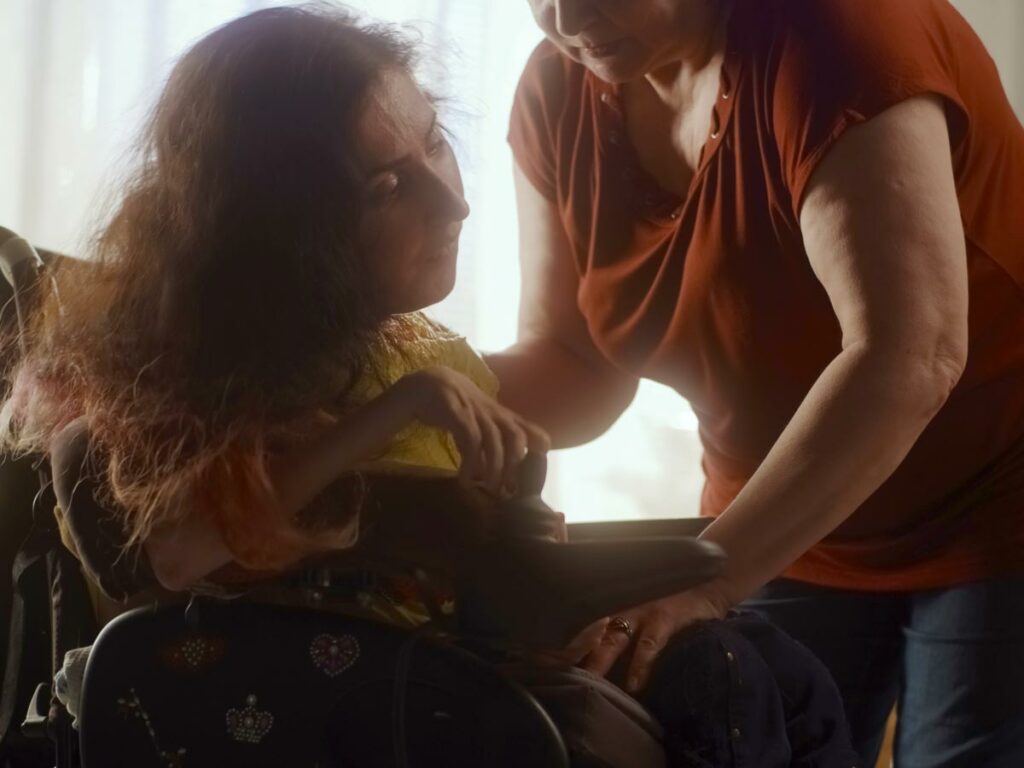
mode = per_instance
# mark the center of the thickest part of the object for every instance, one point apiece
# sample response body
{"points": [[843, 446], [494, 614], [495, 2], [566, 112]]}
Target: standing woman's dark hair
{"points": [[226, 308]]}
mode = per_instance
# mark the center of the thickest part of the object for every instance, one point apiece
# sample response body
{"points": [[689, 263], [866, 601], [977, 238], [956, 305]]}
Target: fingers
{"points": [[589, 638], [564, 658], [521, 437], [515, 450], [504, 442], [607, 652], [492, 452], [654, 634], [577, 649], [561, 530], [492, 440], [466, 433], [537, 440]]}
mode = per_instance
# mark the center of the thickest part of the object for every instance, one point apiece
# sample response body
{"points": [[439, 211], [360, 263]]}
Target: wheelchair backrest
{"points": [[46, 604], [255, 685]]}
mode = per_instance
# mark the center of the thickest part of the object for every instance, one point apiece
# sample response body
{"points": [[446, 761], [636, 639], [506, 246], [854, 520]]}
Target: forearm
{"points": [[300, 475], [189, 550], [572, 399], [855, 426]]}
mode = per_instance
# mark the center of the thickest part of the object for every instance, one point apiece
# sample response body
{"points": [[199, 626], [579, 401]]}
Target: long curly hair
{"points": [[227, 308]]}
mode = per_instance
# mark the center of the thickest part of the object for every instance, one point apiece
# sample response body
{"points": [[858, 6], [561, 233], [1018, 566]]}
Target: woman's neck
{"points": [[701, 49]]}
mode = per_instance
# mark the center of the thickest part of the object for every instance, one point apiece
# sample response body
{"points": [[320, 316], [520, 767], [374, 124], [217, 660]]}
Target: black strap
{"points": [[71, 622], [29, 560]]}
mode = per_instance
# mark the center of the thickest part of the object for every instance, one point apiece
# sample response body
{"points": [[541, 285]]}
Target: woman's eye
{"points": [[436, 142], [385, 188]]}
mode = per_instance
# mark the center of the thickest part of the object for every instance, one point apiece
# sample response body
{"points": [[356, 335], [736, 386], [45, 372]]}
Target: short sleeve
{"points": [[536, 110], [839, 63]]}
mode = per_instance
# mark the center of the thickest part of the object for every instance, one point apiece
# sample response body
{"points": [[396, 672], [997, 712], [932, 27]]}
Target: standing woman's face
{"points": [[412, 196], [622, 40]]}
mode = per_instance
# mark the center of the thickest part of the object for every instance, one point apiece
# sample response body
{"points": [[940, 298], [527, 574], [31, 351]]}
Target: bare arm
{"points": [[491, 440], [182, 553], [554, 375], [882, 228]]}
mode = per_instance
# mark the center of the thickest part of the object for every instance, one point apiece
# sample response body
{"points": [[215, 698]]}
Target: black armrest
{"points": [[630, 529]]}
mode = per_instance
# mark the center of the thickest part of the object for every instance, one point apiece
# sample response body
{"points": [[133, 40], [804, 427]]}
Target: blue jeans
{"points": [[740, 693], [952, 658]]}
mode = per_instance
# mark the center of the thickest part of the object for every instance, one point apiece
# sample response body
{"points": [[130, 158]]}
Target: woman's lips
{"points": [[602, 51]]}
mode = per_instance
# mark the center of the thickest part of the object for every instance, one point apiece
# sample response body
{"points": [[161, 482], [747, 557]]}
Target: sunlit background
{"points": [[79, 75]]}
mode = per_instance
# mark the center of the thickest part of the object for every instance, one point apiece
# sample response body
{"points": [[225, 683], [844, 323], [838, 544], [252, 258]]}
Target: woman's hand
{"points": [[491, 439], [584, 644], [653, 625]]}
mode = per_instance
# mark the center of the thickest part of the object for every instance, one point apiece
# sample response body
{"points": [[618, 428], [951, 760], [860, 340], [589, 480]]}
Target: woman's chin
{"points": [[442, 278], [444, 288], [432, 290], [621, 66]]}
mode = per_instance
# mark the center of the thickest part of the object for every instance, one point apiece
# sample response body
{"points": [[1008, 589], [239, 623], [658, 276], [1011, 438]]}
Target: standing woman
{"points": [[804, 216]]}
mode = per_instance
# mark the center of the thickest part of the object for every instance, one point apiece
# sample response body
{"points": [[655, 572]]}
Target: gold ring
{"points": [[621, 624]]}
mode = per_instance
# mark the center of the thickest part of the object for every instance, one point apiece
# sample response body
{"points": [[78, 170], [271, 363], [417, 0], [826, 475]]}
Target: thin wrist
{"points": [[718, 593], [405, 396]]}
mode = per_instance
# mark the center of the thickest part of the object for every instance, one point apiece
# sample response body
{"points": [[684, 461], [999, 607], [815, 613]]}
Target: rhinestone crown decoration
{"points": [[249, 725]]}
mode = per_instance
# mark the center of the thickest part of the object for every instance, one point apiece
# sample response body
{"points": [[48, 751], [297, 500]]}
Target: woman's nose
{"points": [[446, 196], [570, 16], [459, 208]]}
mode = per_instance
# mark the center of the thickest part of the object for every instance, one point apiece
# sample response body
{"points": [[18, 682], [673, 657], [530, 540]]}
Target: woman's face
{"points": [[622, 40], [412, 196]]}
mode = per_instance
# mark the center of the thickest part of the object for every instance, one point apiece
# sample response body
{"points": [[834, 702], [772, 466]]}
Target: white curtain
{"points": [[77, 79]]}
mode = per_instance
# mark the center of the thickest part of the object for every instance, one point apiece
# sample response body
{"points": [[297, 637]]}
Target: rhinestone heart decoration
{"points": [[332, 655], [194, 652]]}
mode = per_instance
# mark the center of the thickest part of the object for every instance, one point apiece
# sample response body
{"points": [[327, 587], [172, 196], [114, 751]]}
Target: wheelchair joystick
{"points": [[525, 516]]}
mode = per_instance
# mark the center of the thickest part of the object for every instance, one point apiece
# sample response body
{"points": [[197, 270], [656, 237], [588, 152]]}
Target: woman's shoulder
{"points": [[427, 342], [546, 114], [549, 82], [831, 64], [851, 33]]}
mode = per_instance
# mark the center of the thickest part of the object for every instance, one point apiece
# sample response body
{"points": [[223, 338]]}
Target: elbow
{"points": [[947, 364], [183, 552], [607, 406], [949, 368], [169, 570], [933, 376], [917, 382], [174, 564]]}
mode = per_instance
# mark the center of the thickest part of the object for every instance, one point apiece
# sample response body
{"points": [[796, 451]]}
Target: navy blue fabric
{"points": [[953, 658], [741, 693]]}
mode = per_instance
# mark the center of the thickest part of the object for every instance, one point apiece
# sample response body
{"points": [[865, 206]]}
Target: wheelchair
{"points": [[198, 680]]}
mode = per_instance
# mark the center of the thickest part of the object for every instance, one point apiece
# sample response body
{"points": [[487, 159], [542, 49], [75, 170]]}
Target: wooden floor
{"points": [[885, 756]]}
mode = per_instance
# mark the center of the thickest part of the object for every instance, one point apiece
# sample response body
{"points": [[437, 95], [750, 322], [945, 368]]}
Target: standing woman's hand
{"points": [[492, 440], [651, 626]]}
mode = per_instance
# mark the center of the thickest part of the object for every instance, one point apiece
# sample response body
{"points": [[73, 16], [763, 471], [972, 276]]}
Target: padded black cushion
{"points": [[255, 686]]}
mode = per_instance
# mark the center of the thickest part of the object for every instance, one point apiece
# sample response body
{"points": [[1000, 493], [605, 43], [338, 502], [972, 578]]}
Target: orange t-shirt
{"points": [[714, 295]]}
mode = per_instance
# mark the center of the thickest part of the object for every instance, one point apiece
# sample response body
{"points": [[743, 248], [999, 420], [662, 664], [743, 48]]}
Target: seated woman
{"points": [[244, 348], [246, 335]]}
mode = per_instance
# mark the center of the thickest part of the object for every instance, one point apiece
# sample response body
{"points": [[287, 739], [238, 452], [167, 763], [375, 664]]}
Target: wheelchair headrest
{"points": [[17, 254], [21, 266]]}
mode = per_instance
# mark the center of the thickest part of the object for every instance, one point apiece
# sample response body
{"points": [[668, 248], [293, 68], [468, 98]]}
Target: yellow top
{"points": [[419, 449], [416, 450]]}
